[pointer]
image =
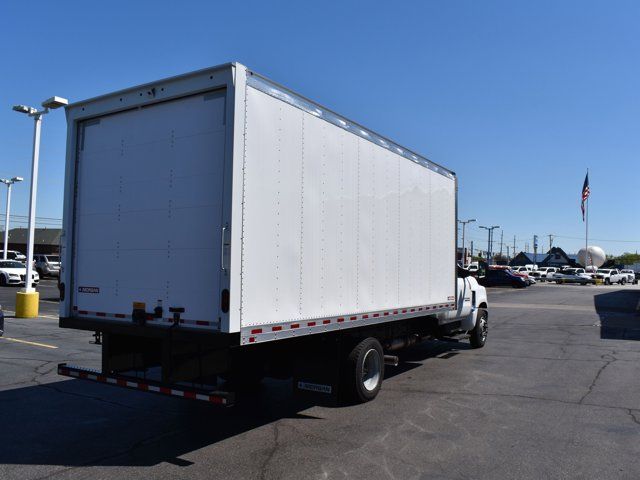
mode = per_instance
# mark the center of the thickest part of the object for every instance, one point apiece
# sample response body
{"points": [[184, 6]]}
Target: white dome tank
{"points": [[596, 256]]}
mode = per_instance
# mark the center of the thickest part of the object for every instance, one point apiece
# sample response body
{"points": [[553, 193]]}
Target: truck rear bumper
{"points": [[127, 327], [145, 385]]}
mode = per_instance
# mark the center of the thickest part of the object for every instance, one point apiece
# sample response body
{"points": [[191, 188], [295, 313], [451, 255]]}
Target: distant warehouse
{"points": [[47, 240]]}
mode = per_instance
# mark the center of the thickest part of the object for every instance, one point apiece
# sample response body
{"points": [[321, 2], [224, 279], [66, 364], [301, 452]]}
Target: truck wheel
{"points": [[607, 281], [364, 371], [478, 336], [558, 282], [3, 281], [623, 281]]}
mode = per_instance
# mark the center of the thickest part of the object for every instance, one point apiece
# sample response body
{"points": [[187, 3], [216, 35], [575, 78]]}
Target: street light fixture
{"points": [[27, 300], [464, 224], [8, 182]]}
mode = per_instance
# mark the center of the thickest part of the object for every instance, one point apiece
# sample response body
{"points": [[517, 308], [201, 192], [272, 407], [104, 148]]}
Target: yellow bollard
{"points": [[27, 304]]}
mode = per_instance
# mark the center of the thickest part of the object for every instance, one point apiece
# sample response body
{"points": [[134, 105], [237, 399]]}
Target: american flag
{"points": [[585, 193]]}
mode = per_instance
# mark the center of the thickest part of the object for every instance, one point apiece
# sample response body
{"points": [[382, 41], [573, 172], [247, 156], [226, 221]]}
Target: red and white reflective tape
{"points": [[150, 318], [318, 325], [94, 375]]}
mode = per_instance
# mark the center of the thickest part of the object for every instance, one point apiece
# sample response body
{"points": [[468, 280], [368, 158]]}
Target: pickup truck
{"points": [[546, 273], [610, 276], [631, 276]]}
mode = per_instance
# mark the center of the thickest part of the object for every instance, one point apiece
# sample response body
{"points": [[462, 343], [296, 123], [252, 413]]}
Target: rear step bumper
{"points": [[217, 397]]}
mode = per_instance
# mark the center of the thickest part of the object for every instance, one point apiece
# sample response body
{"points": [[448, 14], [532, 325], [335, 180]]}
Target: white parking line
{"points": [[35, 344]]}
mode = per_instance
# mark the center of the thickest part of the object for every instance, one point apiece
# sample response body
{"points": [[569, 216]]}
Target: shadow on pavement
{"points": [[619, 315], [76, 423]]}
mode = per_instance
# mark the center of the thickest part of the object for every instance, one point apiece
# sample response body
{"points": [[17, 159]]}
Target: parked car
{"points": [[573, 275], [502, 278], [631, 275], [16, 255], [610, 275], [524, 273], [536, 275], [546, 273], [13, 272], [47, 265], [522, 269]]}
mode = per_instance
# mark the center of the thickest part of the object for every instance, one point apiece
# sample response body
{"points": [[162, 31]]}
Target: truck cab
{"points": [[471, 311]]}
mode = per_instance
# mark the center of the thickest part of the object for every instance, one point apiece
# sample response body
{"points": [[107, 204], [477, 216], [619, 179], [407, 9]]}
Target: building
{"points": [[556, 257], [463, 257], [47, 240], [526, 258]]}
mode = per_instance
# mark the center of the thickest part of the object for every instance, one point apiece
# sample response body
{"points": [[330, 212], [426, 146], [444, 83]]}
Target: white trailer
{"points": [[210, 216]]}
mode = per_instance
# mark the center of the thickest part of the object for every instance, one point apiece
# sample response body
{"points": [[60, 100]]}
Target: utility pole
{"points": [[550, 241], [501, 237], [514, 245], [508, 257], [535, 249], [490, 239], [472, 249]]}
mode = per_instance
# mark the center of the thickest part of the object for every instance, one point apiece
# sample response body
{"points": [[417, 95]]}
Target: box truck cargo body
{"points": [[221, 207]]}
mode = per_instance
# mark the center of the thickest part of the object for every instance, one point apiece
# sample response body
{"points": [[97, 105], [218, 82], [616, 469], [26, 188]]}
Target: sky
{"points": [[518, 98]]}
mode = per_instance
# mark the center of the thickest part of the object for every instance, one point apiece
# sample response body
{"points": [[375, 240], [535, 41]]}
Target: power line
{"points": [[596, 239], [25, 216]]}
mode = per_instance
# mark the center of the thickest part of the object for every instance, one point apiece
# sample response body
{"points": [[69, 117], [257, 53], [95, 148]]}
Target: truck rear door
{"points": [[148, 206]]}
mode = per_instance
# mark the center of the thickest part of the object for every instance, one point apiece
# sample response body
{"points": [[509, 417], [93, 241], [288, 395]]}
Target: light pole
{"points": [[464, 224], [8, 182], [489, 239], [27, 299]]}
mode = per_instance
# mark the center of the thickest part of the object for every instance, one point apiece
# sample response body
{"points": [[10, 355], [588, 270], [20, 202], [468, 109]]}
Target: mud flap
{"points": [[316, 375]]}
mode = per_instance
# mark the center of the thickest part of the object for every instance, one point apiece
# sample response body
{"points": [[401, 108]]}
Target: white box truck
{"points": [[219, 227]]}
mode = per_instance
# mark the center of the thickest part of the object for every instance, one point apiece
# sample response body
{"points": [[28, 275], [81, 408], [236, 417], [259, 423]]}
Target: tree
{"points": [[627, 258]]}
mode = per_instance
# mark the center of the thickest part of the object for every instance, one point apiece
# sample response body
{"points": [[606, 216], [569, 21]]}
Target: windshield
{"points": [[53, 258], [11, 265], [603, 271], [570, 271]]}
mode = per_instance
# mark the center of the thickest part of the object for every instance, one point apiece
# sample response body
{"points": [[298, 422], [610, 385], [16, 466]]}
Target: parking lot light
{"points": [[27, 299], [464, 224], [8, 182]]}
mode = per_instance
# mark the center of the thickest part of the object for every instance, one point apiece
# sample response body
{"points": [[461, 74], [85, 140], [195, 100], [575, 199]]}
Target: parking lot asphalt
{"points": [[554, 394]]}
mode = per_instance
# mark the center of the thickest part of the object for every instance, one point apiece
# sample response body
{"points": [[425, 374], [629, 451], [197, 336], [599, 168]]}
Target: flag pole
{"points": [[586, 235]]}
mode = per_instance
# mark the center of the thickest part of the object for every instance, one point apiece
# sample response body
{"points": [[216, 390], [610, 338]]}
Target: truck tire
{"points": [[364, 371], [607, 281], [623, 281], [478, 336]]}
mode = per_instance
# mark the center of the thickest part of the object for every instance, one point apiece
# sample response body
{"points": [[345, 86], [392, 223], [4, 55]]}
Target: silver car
{"points": [[47, 265]]}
